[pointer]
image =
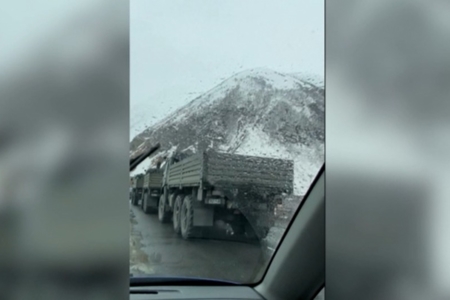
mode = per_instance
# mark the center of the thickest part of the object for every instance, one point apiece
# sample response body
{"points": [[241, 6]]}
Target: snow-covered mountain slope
{"points": [[257, 112], [310, 78]]}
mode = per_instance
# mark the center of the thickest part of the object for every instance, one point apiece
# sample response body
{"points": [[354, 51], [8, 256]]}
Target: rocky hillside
{"points": [[256, 112]]}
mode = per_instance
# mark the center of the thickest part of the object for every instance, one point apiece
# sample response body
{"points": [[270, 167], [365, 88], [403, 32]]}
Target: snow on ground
{"points": [[190, 148], [277, 80], [246, 80], [257, 143], [304, 110], [310, 78]]}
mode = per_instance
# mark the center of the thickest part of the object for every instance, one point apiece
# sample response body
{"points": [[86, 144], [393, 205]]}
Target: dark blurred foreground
{"points": [[64, 150], [387, 147]]}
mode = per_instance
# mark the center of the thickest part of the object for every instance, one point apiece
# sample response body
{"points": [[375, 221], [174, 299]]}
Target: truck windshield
{"points": [[237, 109]]}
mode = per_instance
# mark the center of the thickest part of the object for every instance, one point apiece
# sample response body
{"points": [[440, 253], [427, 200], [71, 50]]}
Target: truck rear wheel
{"points": [[187, 218], [261, 233], [177, 213], [163, 215], [143, 196], [250, 232], [145, 207], [151, 209]]}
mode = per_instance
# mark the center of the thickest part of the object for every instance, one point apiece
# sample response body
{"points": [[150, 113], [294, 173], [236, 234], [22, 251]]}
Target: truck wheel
{"points": [[150, 209], [163, 215], [187, 218], [262, 233], [176, 213], [250, 232], [145, 207], [143, 196], [133, 199]]}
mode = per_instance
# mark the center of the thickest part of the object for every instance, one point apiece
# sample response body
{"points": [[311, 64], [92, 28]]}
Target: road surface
{"points": [[157, 250]]}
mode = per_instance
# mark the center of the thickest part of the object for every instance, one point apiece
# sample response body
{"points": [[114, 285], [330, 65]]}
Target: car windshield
{"points": [[233, 94]]}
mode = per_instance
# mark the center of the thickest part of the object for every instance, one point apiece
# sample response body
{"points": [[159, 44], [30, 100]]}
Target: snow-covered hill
{"points": [[313, 79], [257, 112]]}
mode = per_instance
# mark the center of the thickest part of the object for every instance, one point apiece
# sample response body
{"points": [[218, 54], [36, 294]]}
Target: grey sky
{"points": [[180, 49]]}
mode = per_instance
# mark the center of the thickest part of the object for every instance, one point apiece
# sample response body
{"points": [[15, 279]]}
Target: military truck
{"points": [[151, 190], [137, 188], [240, 191]]}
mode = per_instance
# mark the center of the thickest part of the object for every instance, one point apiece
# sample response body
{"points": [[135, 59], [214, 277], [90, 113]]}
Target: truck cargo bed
{"points": [[234, 169], [186, 172], [213, 168], [138, 181], [153, 178]]}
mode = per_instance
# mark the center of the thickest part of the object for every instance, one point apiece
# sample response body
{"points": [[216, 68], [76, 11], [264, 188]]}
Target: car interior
{"points": [[296, 270]]}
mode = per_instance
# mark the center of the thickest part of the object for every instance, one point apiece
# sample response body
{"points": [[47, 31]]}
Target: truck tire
{"points": [[250, 233], [148, 209], [163, 215], [143, 196], [177, 213], [261, 233], [187, 218], [145, 207], [133, 199]]}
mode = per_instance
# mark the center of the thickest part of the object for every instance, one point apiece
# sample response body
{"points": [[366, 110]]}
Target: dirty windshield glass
{"points": [[233, 93]]}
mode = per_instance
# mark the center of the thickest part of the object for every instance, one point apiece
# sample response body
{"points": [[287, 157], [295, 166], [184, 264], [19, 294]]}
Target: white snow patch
{"points": [[313, 79], [306, 162], [247, 84], [191, 148]]}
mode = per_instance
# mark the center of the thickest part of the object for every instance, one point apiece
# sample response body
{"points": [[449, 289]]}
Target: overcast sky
{"points": [[180, 49]]}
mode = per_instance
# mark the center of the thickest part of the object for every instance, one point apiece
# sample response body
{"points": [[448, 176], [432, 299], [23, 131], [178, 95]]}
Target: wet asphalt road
{"points": [[160, 251]]}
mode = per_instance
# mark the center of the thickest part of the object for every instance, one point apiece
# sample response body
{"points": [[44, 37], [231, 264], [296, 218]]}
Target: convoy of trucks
{"points": [[201, 190]]}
